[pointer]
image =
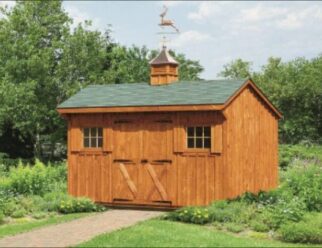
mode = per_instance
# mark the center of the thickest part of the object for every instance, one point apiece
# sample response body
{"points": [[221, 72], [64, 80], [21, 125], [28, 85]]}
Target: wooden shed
{"points": [[170, 143]]}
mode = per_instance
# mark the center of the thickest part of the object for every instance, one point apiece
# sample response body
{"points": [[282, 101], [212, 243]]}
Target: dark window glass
{"points": [[199, 131], [93, 137], [93, 132], [207, 131], [86, 132], [86, 142], [191, 143], [207, 143], [100, 142], [199, 143], [191, 131], [100, 132]]}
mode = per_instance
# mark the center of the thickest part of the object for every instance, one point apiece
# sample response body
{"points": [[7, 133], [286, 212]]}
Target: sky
{"points": [[215, 33]]}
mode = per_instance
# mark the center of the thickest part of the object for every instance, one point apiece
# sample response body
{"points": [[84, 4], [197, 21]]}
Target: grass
{"points": [[12, 229], [160, 233]]}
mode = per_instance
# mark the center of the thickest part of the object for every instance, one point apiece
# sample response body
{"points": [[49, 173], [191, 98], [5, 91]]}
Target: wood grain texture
{"points": [[145, 159]]}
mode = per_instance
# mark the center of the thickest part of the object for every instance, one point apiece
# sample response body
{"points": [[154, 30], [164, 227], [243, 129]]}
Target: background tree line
{"points": [[43, 61]]}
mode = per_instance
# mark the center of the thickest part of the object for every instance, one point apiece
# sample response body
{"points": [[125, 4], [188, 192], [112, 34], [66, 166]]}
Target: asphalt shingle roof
{"points": [[143, 94]]}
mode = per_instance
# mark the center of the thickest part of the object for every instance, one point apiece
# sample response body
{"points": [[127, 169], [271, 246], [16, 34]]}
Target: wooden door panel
{"points": [[157, 139], [124, 181], [154, 176], [127, 139]]}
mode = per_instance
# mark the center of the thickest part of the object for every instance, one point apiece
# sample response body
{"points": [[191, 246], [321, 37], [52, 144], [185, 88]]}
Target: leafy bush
{"points": [[259, 226], [30, 180], [77, 205], [302, 232], [305, 182], [289, 153], [308, 230], [19, 213], [39, 215], [196, 215], [233, 227], [233, 211], [1, 217], [37, 179]]}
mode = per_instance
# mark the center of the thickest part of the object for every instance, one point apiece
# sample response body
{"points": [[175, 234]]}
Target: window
{"points": [[93, 137], [198, 137]]}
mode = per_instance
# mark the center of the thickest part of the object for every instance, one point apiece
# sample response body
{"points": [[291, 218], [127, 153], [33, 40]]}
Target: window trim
{"points": [[195, 137], [97, 137]]}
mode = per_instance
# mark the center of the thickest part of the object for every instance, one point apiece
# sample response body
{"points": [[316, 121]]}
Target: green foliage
{"points": [[39, 215], [236, 69], [19, 213], [295, 89], [43, 61], [306, 231], [237, 212], [233, 227], [289, 153], [196, 215], [1, 217], [78, 205], [259, 226], [305, 182]]}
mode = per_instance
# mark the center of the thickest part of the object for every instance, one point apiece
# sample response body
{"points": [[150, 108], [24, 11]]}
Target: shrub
{"points": [[259, 226], [305, 182], [196, 215], [39, 215], [301, 233], [77, 205], [1, 218], [233, 227], [234, 211], [19, 213], [30, 180]]}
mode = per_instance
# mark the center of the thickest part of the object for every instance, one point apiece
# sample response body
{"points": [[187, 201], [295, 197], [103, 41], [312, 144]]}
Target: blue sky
{"points": [[214, 33]]}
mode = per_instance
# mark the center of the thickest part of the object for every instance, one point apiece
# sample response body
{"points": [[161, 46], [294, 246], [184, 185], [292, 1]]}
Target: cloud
{"points": [[205, 10], [261, 13], [190, 37], [80, 17], [10, 4]]}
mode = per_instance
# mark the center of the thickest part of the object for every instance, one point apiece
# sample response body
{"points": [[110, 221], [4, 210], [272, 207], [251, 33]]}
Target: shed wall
{"points": [[250, 145], [243, 155]]}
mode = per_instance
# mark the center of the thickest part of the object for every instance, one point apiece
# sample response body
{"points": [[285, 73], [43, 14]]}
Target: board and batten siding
{"points": [[250, 145], [243, 155]]}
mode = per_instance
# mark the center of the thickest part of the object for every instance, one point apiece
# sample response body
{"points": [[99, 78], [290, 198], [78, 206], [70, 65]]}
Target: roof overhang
{"points": [[172, 108], [168, 108]]}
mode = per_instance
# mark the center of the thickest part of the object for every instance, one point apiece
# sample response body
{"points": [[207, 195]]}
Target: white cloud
{"points": [[260, 13], [190, 37], [205, 10], [10, 4], [79, 16]]}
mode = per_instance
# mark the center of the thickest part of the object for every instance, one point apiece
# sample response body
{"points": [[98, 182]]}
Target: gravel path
{"points": [[78, 231]]}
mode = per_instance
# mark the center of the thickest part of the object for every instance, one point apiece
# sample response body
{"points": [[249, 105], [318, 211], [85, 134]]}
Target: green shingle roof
{"points": [[143, 94]]}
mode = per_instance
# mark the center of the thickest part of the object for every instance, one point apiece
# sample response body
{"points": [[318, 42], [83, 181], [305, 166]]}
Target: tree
{"points": [[236, 69], [295, 88], [43, 62]]}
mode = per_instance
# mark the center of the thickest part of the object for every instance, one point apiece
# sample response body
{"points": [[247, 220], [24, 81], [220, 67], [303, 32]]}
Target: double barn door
{"points": [[142, 159]]}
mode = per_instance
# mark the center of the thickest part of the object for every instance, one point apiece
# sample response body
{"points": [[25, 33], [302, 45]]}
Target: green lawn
{"points": [[157, 233], [12, 229]]}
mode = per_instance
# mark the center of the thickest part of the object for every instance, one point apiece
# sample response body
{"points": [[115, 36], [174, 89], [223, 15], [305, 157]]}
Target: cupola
{"points": [[164, 68]]}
